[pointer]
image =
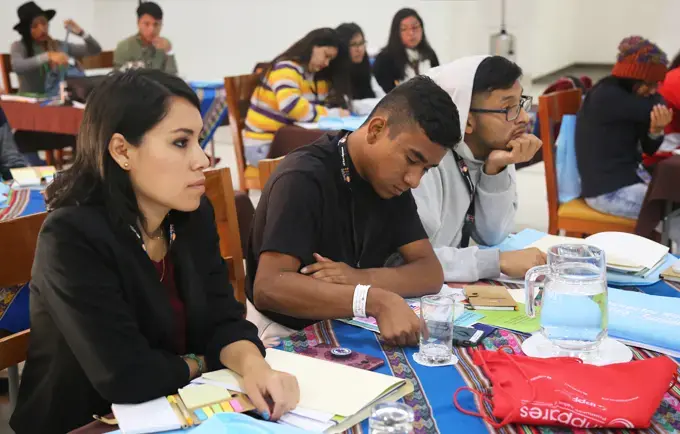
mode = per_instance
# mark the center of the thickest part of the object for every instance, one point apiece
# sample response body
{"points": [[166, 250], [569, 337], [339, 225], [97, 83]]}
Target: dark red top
{"points": [[166, 273]]}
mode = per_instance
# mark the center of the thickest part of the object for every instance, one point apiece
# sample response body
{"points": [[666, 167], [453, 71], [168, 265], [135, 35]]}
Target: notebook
{"points": [[672, 273], [324, 386], [149, 417], [489, 297], [625, 253]]}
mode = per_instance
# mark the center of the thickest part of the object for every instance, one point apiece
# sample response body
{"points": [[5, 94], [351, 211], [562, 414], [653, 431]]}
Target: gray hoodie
{"points": [[443, 197]]}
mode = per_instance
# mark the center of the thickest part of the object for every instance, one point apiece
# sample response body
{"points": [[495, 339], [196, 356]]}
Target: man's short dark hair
{"points": [[420, 101], [495, 72], [150, 8]]}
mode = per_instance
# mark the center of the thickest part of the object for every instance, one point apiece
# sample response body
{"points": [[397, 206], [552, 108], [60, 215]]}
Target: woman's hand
{"points": [[264, 385], [73, 27]]}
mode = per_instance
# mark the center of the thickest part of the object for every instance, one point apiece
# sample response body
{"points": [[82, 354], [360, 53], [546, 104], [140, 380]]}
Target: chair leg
{"points": [[13, 379]]}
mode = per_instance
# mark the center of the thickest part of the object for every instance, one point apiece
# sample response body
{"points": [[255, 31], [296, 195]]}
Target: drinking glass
{"points": [[436, 328]]}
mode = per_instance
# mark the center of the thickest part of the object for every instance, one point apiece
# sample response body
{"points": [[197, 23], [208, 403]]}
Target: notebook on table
{"points": [[326, 388], [625, 253]]}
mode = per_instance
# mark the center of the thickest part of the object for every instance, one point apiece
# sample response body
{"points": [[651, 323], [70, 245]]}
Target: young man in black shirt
{"points": [[334, 211]]}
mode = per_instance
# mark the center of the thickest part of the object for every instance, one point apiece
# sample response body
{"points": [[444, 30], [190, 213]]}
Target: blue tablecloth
{"points": [[213, 106]]}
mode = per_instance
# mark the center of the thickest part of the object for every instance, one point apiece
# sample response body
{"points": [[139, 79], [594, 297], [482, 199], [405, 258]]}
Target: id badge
{"points": [[643, 174]]}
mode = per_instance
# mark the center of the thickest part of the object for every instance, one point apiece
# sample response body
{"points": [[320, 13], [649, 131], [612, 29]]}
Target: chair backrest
{"points": [[13, 349], [98, 61], [20, 237], [551, 108], [220, 191], [5, 71], [239, 89], [266, 167]]}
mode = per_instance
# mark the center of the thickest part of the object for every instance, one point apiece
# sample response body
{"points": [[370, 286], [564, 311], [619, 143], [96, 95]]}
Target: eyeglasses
{"points": [[511, 113], [357, 44]]}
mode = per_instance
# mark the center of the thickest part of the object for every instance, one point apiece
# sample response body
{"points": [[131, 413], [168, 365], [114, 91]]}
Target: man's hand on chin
{"points": [[519, 150]]}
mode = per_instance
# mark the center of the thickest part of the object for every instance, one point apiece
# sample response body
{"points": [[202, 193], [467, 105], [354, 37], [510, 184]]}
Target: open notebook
{"points": [[625, 253], [325, 387]]}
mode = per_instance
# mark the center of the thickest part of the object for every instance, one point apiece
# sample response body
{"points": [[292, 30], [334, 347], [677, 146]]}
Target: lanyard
{"points": [[469, 221], [345, 174]]}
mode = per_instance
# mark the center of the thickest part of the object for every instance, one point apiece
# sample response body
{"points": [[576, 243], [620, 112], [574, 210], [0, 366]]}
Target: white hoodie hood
{"points": [[443, 197]]}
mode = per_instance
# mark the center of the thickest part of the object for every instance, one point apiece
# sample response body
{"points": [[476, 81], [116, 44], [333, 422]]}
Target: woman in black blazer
{"points": [[130, 297], [407, 53]]}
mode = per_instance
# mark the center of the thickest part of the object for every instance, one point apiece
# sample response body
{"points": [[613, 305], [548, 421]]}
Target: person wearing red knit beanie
{"points": [[621, 116]]}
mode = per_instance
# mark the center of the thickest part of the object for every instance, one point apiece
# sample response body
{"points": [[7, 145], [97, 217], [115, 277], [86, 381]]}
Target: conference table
{"points": [[432, 399]]}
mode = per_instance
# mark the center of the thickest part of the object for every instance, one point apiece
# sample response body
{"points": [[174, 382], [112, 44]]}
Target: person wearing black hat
{"points": [[36, 52], [146, 48]]}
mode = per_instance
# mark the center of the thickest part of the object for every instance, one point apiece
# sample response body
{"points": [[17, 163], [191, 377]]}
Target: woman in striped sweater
{"points": [[296, 88]]}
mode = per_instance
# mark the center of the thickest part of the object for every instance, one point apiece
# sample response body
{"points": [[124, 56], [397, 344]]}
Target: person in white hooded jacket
{"points": [[487, 92]]}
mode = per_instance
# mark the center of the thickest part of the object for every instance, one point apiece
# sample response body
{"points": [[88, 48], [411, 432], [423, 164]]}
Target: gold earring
{"points": [[126, 165]]}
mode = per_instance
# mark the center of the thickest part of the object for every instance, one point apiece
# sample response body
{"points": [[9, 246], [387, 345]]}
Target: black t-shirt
{"points": [[306, 208]]}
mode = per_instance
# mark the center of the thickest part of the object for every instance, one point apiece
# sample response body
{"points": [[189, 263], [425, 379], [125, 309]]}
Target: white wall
{"points": [[214, 38]]}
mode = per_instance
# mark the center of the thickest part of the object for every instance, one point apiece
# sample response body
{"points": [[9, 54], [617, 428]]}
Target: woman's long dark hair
{"points": [[395, 48], [128, 103], [27, 39], [676, 62], [301, 52], [359, 73]]}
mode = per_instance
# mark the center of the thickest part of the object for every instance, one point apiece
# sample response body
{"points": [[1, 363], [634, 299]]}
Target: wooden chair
{"points": [[574, 217], [22, 235], [239, 89], [98, 61], [220, 191], [5, 71], [266, 167]]}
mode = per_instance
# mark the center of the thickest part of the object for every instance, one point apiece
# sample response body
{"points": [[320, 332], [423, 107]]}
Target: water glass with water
{"points": [[391, 418], [436, 329], [574, 299]]}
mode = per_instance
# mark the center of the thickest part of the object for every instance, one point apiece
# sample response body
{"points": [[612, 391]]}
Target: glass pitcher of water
{"points": [[574, 299]]}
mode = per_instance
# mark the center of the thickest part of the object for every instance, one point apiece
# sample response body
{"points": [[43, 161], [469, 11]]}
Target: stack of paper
{"points": [[327, 398], [625, 253], [32, 177], [149, 417]]}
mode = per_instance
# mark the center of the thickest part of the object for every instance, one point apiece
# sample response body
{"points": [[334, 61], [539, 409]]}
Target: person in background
{"points": [[407, 53], [37, 53], [137, 301], [334, 211], [621, 114], [147, 48], [670, 91], [472, 194], [295, 88], [365, 92], [10, 157]]}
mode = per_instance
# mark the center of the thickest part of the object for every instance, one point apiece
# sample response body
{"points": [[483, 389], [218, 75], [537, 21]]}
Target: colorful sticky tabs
{"points": [[226, 407], [238, 408], [208, 411], [200, 414], [216, 408]]}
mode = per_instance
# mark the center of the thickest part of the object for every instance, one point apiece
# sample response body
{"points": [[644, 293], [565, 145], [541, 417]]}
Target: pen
{"points": [[185, 412], [178, 413]]}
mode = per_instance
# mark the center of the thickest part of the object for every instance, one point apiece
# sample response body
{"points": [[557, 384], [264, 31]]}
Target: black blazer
{"points": [[386, 71], [102, 323]]}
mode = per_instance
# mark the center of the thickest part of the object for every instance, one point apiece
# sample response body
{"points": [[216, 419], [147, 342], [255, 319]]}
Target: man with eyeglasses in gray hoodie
{"points": [[472, 194]]}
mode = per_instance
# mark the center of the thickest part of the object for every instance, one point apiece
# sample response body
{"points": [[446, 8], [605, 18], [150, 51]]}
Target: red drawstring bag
{"points": [[565, 391]]}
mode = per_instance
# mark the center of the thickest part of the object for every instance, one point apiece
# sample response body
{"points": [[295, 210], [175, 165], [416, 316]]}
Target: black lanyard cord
{"points": [[469, 222]]}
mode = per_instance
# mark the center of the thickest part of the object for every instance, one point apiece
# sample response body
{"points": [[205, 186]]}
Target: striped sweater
{"points": [[286, 95]]}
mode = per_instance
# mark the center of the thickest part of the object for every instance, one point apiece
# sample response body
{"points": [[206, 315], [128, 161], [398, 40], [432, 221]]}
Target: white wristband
{"points": [[359, 303]]}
